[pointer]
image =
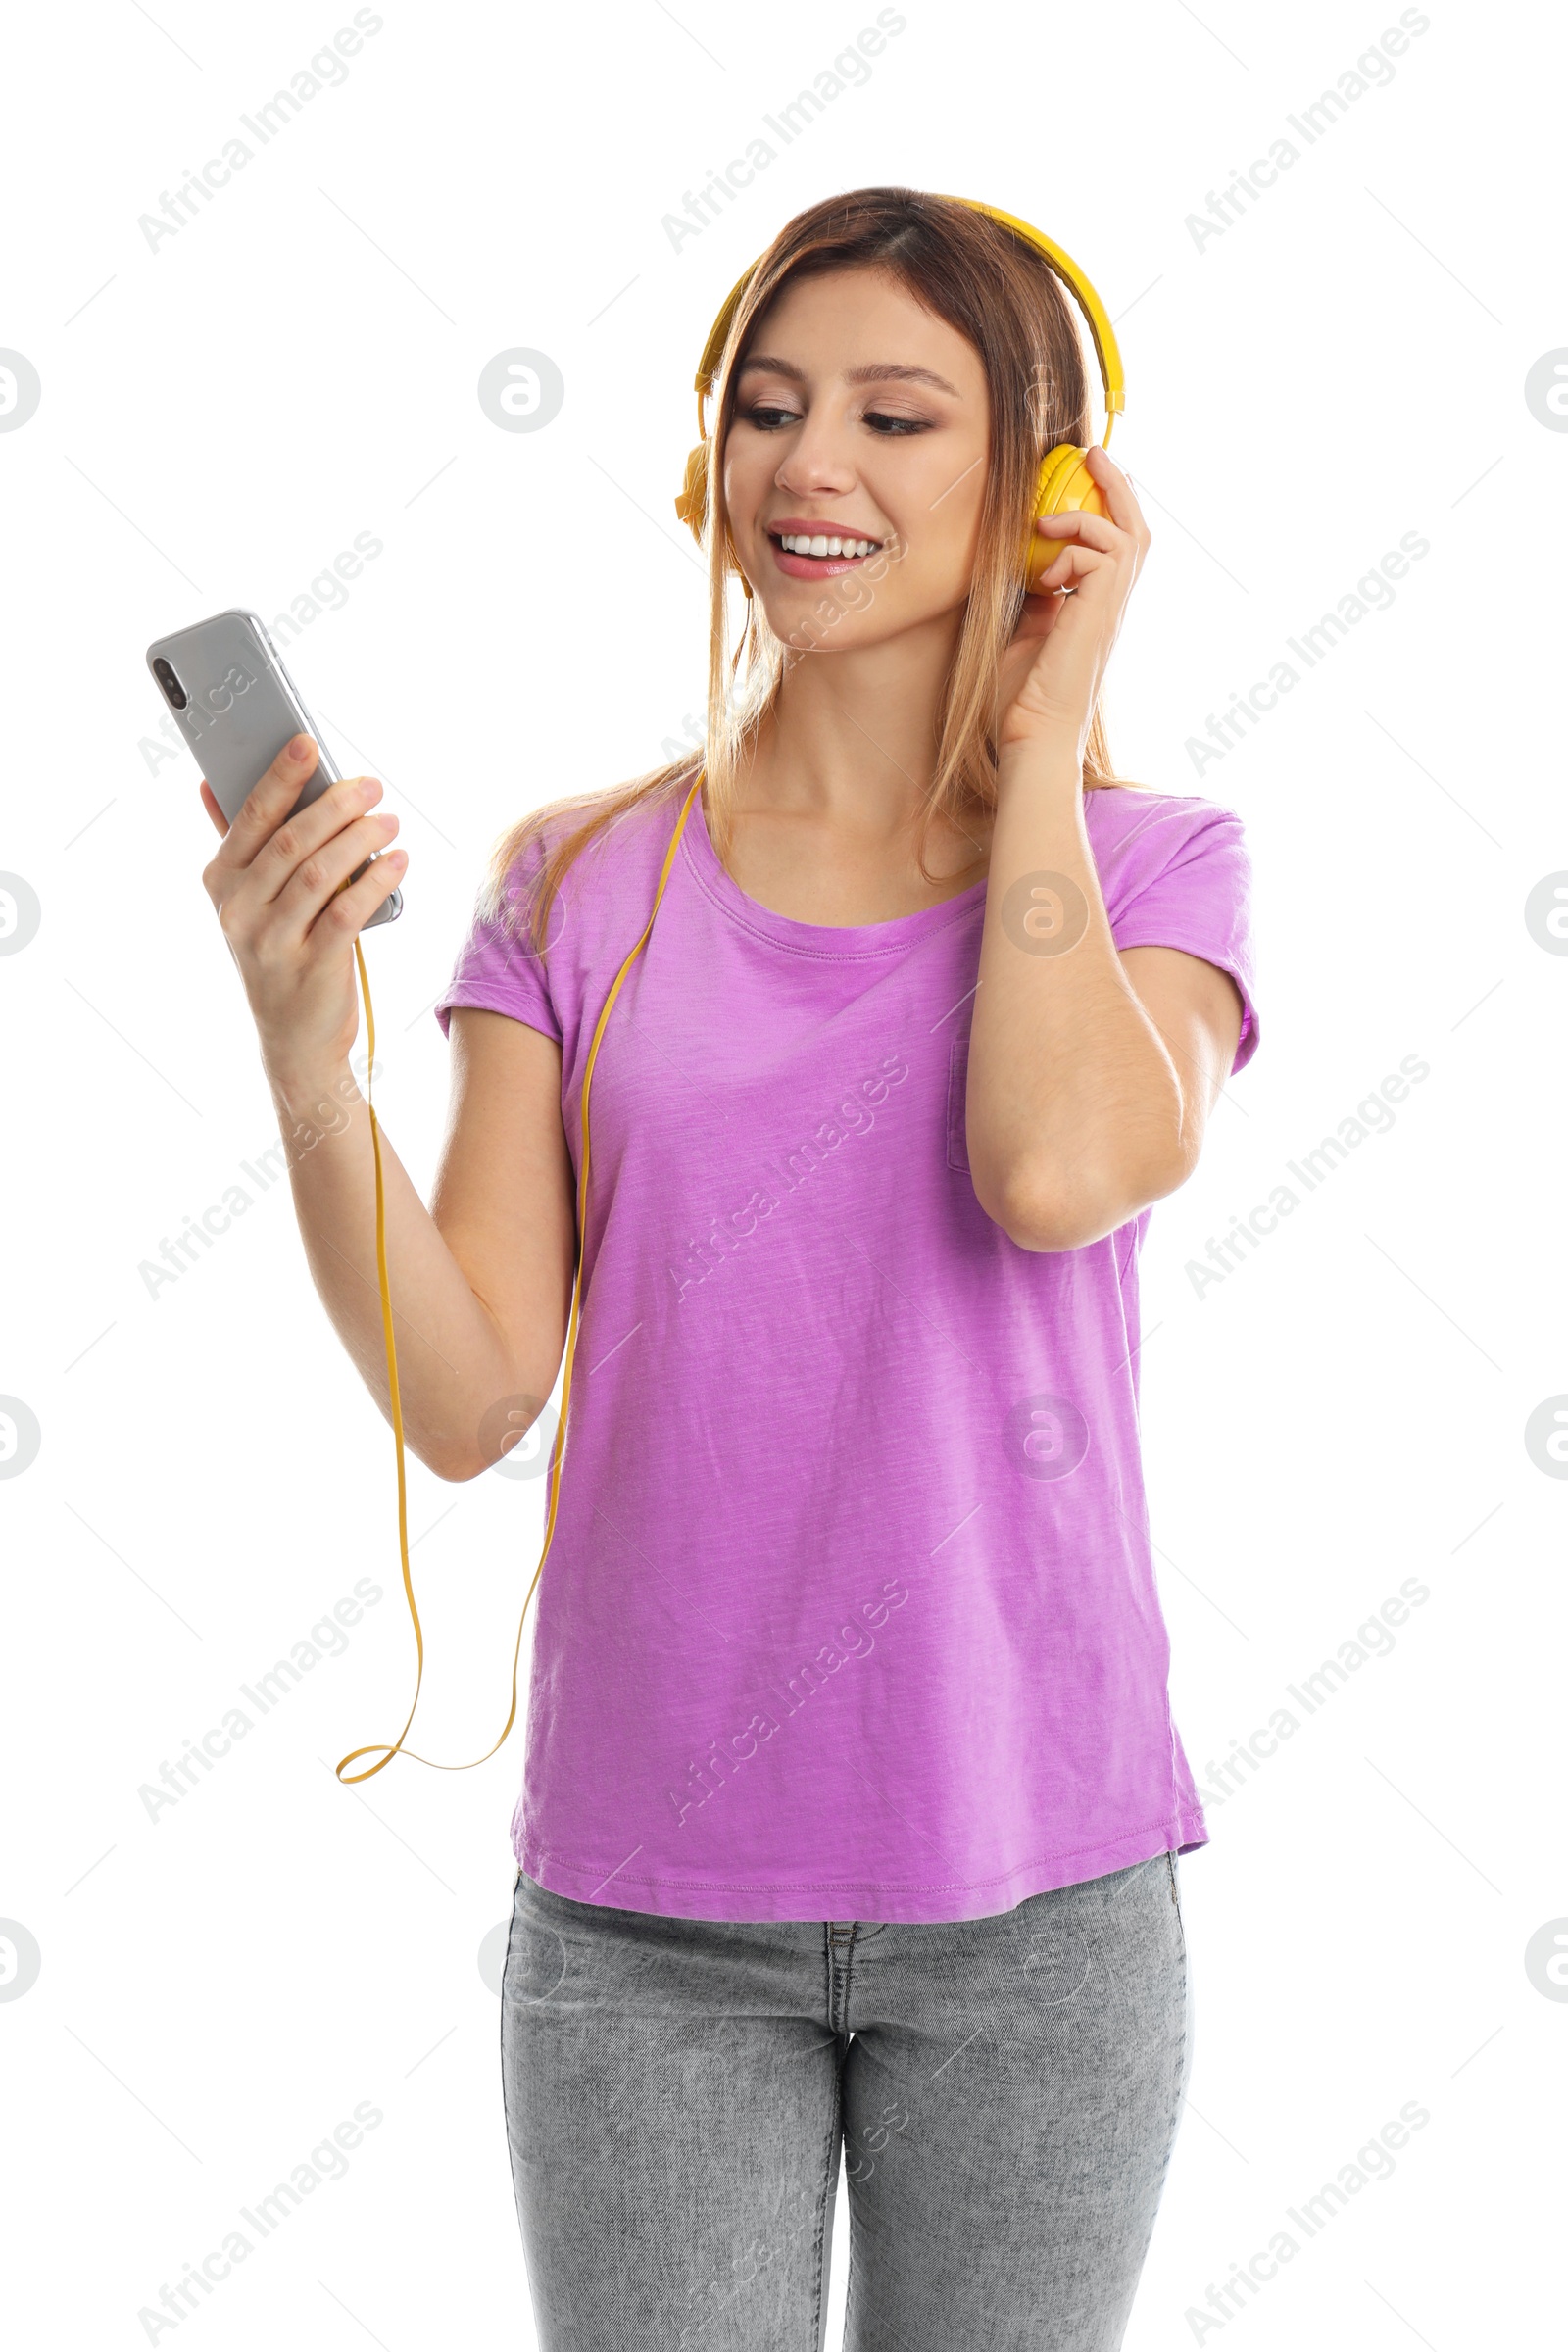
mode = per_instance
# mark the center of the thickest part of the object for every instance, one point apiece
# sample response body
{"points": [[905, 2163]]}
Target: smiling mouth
{"points": [[820, 555]]}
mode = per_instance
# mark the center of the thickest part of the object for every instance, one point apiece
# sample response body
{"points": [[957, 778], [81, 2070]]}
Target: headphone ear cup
{"points": [[691, 504], [1066, 486]]}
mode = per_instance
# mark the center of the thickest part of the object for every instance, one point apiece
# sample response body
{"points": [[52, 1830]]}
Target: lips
{"points": [[808, 549]]}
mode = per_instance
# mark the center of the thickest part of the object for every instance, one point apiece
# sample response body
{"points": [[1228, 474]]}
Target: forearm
{"points": [[454, 1365], [1074, 1107]]}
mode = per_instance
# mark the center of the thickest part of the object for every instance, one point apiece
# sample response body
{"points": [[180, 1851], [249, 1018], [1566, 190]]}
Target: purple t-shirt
{"points": [[850, 1611]]}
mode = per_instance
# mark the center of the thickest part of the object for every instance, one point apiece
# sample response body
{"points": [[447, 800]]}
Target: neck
{"points": [[853, 736]]}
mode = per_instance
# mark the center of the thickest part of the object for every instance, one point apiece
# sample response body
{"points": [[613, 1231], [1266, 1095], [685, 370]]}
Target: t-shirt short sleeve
{"points": [[1182, 878], [496, 968]]}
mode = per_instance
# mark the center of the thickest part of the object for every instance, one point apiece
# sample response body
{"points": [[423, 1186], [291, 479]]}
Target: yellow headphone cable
{"points": [[557, 1450]]}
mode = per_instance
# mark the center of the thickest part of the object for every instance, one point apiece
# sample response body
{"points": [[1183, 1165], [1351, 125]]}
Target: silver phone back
{"points": [[241, 708]]}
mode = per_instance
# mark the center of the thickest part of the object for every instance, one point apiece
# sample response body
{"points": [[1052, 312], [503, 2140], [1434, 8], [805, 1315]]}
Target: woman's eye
{"points": [[768, 418]]}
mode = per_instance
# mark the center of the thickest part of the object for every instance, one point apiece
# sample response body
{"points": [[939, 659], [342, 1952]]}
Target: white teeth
{"points": [[802, 543]]}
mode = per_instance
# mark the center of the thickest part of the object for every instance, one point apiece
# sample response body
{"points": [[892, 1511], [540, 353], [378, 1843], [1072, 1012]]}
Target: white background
{"points": [[220, 416]]}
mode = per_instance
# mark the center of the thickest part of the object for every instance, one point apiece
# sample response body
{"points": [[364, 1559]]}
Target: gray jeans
{"points": [[1005, 2091]]}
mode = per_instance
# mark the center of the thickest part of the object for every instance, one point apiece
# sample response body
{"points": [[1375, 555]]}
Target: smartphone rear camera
{"points": [[164, 673]]}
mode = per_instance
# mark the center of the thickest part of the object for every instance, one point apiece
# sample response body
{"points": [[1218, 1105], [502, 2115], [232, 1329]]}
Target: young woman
{"points": [[852, 1792]]}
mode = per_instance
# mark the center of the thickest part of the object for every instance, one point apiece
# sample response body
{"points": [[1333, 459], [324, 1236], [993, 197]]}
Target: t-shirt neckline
{"points": [[845, 940]]}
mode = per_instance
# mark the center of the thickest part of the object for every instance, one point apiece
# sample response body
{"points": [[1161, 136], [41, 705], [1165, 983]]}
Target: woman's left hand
{"points": [[1052, 671]]}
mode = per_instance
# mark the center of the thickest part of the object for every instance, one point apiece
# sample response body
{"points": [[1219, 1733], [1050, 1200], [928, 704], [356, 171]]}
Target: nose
{"points": [[819, 462]]}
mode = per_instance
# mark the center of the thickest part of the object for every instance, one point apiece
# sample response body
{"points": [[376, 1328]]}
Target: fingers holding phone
{"points": [[291, 892], [295, 865]]}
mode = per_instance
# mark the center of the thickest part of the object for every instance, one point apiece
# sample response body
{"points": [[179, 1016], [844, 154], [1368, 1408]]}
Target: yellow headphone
{"points": [[1065, 485], [1065, 482]]}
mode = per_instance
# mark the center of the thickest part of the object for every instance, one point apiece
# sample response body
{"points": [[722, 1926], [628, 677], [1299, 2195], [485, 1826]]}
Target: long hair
{"points": [[1002, 295]]}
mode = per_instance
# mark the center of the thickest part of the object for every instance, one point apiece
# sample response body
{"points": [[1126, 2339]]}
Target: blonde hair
{"points": [[1003, 296]]}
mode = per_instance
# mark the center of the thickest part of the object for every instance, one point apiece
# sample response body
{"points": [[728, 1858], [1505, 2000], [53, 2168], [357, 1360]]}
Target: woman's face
{"points": [[860, 418]]}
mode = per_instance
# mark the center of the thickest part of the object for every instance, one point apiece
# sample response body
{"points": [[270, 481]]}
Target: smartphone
{"points": [[236, 706]]}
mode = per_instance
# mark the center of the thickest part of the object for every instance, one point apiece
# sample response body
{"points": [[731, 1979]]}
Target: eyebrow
{"points": [[875, 372]]}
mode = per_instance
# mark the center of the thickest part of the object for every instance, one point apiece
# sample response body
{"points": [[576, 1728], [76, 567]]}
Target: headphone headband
{"points": [[1102, 333], [1064, 267]]}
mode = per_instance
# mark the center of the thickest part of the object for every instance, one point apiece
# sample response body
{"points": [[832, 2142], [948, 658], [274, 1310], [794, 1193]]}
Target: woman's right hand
{"points": [[288, 920]]}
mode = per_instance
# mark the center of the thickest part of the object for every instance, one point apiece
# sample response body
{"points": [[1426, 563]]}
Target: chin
{"points": [[815, 624]]}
